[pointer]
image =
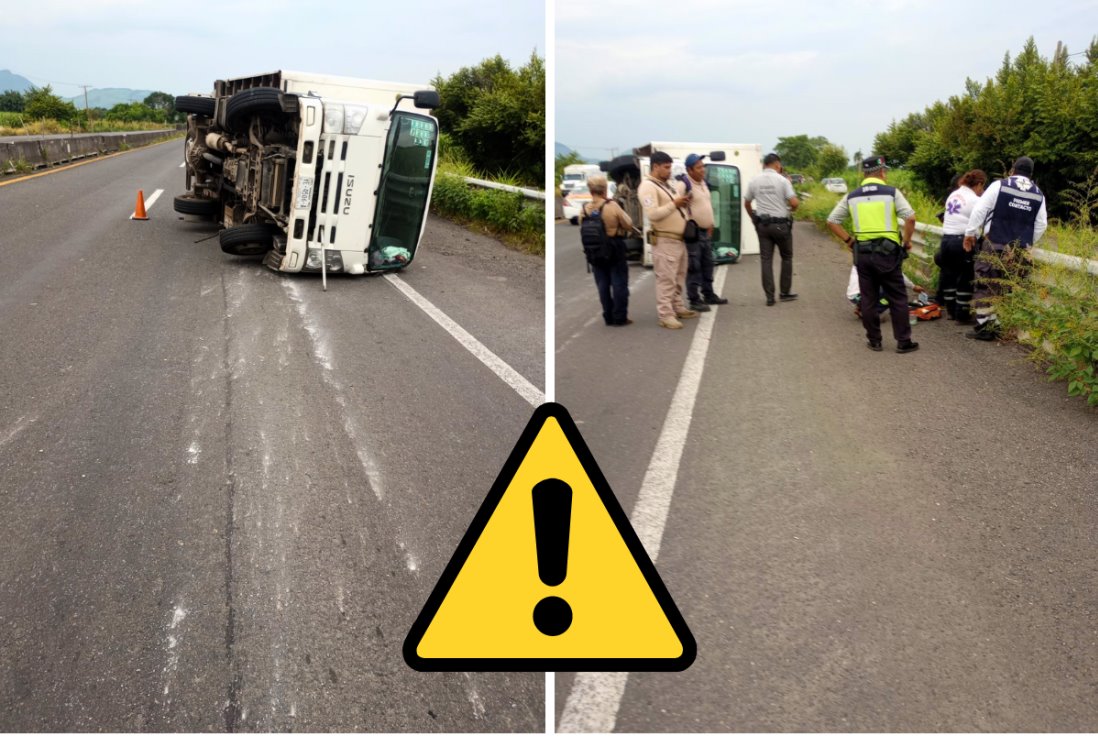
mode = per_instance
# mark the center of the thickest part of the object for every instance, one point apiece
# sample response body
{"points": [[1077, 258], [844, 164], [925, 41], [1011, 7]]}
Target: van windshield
{"points": [[403, 191]]}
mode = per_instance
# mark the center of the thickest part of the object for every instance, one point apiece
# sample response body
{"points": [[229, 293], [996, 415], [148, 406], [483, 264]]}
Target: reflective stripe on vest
{"points": [[873, 211]]}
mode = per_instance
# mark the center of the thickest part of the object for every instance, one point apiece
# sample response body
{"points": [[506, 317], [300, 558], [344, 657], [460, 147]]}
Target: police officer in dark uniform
{"points": [[1012, 215], [879, 250]]}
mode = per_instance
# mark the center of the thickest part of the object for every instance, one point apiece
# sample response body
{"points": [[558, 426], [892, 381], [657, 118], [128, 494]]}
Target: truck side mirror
{"points": [[717, 155], [426, 100]]}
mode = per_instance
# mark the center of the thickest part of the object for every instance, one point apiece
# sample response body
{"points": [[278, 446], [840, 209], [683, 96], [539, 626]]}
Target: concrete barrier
{"points": [[50, 151]]}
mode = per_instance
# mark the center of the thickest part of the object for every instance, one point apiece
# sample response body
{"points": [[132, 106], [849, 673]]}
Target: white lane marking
{"points": [[182, 164], [510, 376], [149, 201], [178, 615], [19, 426], [595, 700], [632, 286]]}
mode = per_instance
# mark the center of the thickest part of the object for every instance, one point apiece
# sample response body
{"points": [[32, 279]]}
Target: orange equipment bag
{"points": [[930, 311]]}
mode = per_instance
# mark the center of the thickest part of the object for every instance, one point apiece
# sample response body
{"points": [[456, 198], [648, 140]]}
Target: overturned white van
{"points": [[312, 172], [729, 166]]}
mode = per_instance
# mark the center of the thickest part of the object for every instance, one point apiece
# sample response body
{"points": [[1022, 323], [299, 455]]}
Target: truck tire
{"points": [[195, 105], [252, 101], [248, 240], [192, 205]]}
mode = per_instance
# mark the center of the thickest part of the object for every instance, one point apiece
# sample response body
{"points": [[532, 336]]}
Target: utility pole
{"points": [[87, 111]]}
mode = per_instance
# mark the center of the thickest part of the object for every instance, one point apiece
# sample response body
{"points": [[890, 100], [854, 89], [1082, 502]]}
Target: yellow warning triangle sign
{"points": [[550, 575]]}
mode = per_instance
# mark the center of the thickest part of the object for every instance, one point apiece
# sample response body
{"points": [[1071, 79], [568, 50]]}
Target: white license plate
{"points": [[305, 193]]}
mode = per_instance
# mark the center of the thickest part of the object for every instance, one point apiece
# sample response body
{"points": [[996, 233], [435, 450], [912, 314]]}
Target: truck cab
{"points": [[312, 172], [728, 167]]}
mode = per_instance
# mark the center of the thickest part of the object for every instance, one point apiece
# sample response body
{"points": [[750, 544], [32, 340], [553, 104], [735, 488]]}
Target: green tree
{"points": [[830, 160], [496, 115], [41, 103], [11, 101], [134, 112], [163, 103], [799, 152], [564, 161]]}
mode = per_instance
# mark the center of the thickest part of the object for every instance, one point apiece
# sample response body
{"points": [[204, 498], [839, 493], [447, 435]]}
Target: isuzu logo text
{"points": [[347, 194]]}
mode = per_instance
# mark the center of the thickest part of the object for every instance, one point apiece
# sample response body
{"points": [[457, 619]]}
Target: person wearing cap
{"points": [[699, 273], [1011, 213], [879, 250], [611, 280], [770, 200], [663, 201]]}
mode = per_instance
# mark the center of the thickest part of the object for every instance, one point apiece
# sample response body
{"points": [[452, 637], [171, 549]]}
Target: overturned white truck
{"points": [[302, 169]]}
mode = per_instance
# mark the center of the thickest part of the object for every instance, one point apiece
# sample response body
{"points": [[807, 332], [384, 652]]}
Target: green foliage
{"points": [[134, 112], [12, 101], [1046, 108], [12, 119], [496, 115], [799, 152], [830, 160], [41, 103], [510, 216], [562, 162]]}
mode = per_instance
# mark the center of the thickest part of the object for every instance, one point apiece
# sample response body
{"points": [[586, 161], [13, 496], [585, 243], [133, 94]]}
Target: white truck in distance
{"points": [[302, 169], [574, 178]]}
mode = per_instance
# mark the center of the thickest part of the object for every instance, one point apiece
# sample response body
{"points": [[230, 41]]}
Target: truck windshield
{"points": [[402, 194], [724, 190]]}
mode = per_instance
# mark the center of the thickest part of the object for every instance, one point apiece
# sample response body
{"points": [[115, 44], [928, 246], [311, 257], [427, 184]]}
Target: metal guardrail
{"points": [[533, 194], [1041, 255]]}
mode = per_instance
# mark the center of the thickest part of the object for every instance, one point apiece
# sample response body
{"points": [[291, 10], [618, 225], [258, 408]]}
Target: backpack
{"points": [[596, 244]]}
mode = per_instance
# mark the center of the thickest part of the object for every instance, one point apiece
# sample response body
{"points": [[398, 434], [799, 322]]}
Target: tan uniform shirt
{"points": [[659, 208], [701, 205], [615, 219]]}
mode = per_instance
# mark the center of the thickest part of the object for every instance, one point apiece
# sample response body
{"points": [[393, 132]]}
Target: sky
{"points": [[727, 71], [182, 47]]}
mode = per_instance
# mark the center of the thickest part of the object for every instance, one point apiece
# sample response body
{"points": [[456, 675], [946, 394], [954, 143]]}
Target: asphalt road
{"points": [[226, 493], [859, 541]]}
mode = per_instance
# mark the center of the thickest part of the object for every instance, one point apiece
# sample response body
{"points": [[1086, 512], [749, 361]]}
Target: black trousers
{"points": [[958, 272], [613, 284], [883, 272], [699, 273], [778, 235]]}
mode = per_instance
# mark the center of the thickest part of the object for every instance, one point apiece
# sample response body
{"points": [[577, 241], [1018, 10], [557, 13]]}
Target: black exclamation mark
{"points": [[552, 522]]}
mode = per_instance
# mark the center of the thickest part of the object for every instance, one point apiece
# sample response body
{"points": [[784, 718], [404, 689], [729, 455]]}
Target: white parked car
{"points": [[835, 184], [573, 203]]}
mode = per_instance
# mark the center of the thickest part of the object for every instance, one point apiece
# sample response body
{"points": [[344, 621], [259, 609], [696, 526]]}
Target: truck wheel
{"points": [[195, 105], [192, 205], [249, 240], [574, 220], [252, 101]]}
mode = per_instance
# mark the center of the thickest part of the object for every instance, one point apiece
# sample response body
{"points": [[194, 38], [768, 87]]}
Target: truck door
{"points": [[724, 189]]}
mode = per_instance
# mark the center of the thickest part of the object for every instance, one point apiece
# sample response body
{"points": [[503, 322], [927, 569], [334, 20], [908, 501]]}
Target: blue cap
{"points": [[692, 159]]}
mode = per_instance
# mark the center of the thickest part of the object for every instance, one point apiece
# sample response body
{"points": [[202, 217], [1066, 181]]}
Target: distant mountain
{"points": [[562, 149], [105, 98], [10, 81]]}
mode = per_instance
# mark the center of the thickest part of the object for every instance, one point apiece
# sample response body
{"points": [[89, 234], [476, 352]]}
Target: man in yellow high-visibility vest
{"points": [[879, 250]]}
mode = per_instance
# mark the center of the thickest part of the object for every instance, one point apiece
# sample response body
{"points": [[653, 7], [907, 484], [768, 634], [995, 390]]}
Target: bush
{"points": [[510, 216]]}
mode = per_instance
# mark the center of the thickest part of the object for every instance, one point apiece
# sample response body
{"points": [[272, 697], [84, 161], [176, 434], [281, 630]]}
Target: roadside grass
{"points": [[1052, 310], [516, 220], [15, 124]]}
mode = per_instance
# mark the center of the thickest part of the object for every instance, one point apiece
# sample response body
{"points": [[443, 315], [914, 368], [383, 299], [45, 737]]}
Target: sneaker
{"points": [[788, 296], [715, 300], [909, 346], [874, 345], [699, 306], [985, 333], [686, 314], [670, 322]]}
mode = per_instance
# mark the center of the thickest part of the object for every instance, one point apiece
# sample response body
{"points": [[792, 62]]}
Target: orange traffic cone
{"points": [[139, 211]]}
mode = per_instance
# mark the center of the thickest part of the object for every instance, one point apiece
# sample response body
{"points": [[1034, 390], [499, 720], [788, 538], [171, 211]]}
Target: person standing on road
{"points": [[1019, 221], [611, 279], [699, 274], [955, 280], [663, 202], [770, 200], [879, 250]]}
